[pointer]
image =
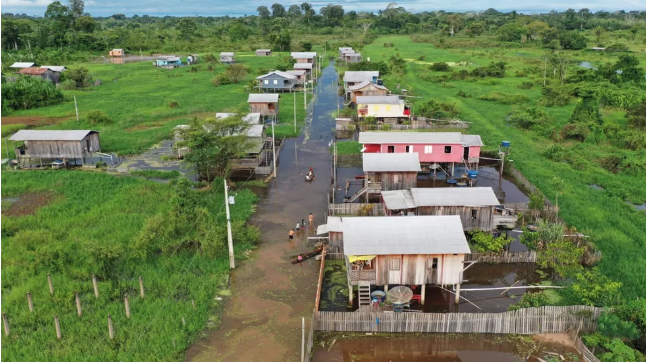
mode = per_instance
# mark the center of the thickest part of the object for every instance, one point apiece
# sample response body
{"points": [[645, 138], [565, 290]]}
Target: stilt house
{"points": [[342, 50], [48, 144], [366, 88], [263, 52], [300, 75], [265, 104], [391, 171], [307, 67], [390, 250], [116, 53], [384, 108], [227, 57], [304, 57], [276, 81]]}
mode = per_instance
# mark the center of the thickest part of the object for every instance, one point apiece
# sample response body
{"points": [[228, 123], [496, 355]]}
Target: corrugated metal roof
{"points": [[279, 73], [321, 229], [33, 71], [455, 196], [119, 50], [21, 65], [391, 162], [378, 100], [398, 199], [384, 235], [344, 48], [348, 51], [255, 130], [250, 118], [366, 83], [472, 140], [410, 137], [303, 66], [353, 54], [226, 54], [263, 50], [360, 76], [295, 71], [303, 55], [262, 98], [55, 68], [47, 135]]}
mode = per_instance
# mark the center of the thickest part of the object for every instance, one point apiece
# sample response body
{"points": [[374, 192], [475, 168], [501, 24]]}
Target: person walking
{"points": [[291, 234], [298, 227], [311, 219]]}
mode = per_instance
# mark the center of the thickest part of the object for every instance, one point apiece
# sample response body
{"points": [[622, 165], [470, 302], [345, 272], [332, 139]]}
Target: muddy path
{"points": [[262, 319], [35, 120]]}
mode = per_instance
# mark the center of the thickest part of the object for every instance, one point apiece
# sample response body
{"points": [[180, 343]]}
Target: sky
{"points": [[248, 7]]}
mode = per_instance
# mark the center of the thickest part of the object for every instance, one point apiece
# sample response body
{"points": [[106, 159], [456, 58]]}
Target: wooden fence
{"points": [[522, 321], [503, 257], [354, 209], [588, 356], [309, 344]]}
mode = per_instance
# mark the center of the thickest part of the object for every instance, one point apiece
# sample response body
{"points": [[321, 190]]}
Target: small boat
{"points": [[309, 176], [302, 257]]}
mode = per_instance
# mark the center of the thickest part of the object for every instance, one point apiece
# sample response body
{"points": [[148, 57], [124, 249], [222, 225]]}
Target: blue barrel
{"points": [[506, 144], [472, 174], [451, 181]]}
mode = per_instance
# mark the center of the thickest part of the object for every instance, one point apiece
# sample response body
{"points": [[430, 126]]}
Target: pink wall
{"points": [[437, 155]]}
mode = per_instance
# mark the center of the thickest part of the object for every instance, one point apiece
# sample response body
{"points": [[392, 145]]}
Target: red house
{"points": [[435, 149]]}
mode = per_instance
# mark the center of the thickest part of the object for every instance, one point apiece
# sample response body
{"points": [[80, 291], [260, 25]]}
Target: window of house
{"points": [[431, 263], [428, 149], [266, 81], [447, 149], [376, 108], [275, 81], [388, 107], [409, 149], [474, 213], [395, 264], [391, 149]]}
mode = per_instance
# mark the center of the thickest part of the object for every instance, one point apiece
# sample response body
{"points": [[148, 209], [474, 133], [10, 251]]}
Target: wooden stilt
{"points": [[423, 294], [457, 293]]}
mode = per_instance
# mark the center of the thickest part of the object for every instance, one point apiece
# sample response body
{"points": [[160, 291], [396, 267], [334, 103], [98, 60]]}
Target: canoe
{"points": [[302, 257]]}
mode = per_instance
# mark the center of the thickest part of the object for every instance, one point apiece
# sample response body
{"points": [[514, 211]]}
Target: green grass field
{"points": [[617, 228], [88, 224]]}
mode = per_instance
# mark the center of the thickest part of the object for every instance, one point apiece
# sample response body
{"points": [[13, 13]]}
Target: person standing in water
{"points": [[291, 234], [311, 219], [298, 227]]}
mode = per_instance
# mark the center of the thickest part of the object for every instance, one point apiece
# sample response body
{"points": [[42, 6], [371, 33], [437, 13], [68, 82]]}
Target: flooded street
{"points": [[262, 319]]}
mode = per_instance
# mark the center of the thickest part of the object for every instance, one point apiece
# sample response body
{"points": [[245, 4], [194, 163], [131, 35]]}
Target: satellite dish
{"points": [[400, 295]]}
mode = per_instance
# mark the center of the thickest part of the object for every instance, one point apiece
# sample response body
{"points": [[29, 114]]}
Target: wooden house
{"points": [[391, 171], [366, 88], [191, 59], [437, 150], [22, 65], [116, 53], [43, 73], [392, 250], [304, 57], [265, 104], [478, 207], [352, 57], [168, 62], [227, 57], [300, 75], [263, 52], [343, 50], [276, 81], [307, 67], [69, 144], [383, 108], [352, 78]]}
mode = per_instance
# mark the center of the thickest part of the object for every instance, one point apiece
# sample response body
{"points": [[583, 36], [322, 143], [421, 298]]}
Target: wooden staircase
{"points": [[364, 294], [357, 195]]}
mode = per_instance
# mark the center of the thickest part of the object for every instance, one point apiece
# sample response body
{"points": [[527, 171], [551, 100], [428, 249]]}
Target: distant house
{"points": [[304, 57], [55, 68], [391, 250], [384, 108], [307, 67], [478, 207], [352, 78], [227, 57], [168, 62], [265, 104], [263, 52], [116, 53], [391, 171], [343, 50], [366, 88], [48, 144], [43, 73], [352, 57], [300, 75], [249, 118], [21, 65], [435, 149], [277, 81]]}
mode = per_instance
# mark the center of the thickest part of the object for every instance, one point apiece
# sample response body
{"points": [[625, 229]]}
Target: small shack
{"points": [[391, 171], [391, 250], [300, 75], [307, 67], [477, 206], [43, 73], [265, 104], [276, 81], [191, 59], [384, 108], [63, 145], [227, 57], [168, 62], [366, 88], [343, 50], [55, 68], [21, 65], [263, 52], [304, 57], [116, 53]]}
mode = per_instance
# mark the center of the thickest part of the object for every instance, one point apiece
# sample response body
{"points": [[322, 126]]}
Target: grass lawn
{"points": [[617, 228], [74, 224]]}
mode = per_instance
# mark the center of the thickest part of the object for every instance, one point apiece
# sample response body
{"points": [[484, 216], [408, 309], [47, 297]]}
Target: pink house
{"points": [[443, 149]]}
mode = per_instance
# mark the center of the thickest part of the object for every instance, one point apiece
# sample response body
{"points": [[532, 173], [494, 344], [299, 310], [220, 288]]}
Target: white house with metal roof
{"points": [[391, 250], [351, 77], [304, 57], [382, 107]]}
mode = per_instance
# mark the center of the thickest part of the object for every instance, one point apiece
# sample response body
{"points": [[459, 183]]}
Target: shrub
{"points": [[484, 242], [504, 98], [578, 131], [68, 84], [618, 47], [210, 58], [389, 45], [172, 103], [496, 70], [194, 69], [440, 67], [554, 96], [633, 139], [235, 72], [98, 117], [306, 46], [220, 79], [463, 95], [421, 57], [79, 75], [529, 300], [528, 117], [436, 109], [488, 81], [30, 92], [526, 85], [520, 73], [555, 152]]}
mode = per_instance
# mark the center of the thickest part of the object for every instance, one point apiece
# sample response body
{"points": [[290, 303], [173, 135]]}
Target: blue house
{"points": [[277, 81], [168, 62]]}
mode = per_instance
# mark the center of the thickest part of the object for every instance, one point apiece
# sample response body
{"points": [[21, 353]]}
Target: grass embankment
{"points": [[158, 174], [95, 223], [617, 228], [137, 98]]}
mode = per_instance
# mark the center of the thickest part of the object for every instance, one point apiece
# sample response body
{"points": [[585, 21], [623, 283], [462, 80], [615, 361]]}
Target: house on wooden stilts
{"points": [[366, 88], [276, 81], [53, 145], [388, 171], [263, 52], [227, 57], [265, 104]]}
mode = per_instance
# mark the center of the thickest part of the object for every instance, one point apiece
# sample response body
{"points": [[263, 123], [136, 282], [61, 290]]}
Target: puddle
{"points": [[597, 187], [638, 207], [587, 65], [433, 347]]}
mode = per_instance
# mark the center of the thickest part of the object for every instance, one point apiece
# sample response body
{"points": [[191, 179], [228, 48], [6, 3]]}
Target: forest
{"points": [[566, 88]]}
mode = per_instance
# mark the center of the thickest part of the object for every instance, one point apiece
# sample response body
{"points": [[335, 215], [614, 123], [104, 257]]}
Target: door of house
{"points": [[394, 270], [431, 270], [466, 153]]}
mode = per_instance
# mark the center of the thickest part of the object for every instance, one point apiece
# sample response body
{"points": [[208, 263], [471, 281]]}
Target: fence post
{"points": [[126, 302], [110, 327], [57, 323], [5, 322], [30, 302], [51, 284], [96, 286], [141, 287], [303, 341], [78, 305]]}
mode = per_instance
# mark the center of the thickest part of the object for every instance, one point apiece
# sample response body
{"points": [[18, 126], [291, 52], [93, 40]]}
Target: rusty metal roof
{"points": [[33, 71]]}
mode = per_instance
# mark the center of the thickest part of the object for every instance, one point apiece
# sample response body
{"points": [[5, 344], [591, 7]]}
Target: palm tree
{"points": [[597, 32]]}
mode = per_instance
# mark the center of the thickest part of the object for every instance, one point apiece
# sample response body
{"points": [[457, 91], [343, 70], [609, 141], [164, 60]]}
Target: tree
{"points": [[476, 28], [510, 32], [637, 116], [308, 12], [590, 287], [611, 326], [562, 256], [80, 76], [536, 29], [187, 28], [485, 242], [263, 12], [75, 7], [281, 41], [294, 12], [633, 31], [586, 111], [236, 71], [598, 31], [332, 14], [278, 11], [365, 25], [85, 24], [628, 69]]}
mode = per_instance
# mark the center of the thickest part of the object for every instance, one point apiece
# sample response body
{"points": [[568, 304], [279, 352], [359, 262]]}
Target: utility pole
{"points": [[294, 112], [305, 94], [273, 145], [232, 258], [77, 109]]}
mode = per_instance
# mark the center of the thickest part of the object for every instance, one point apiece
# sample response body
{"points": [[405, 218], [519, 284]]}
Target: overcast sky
{"points": [[242, 7]]}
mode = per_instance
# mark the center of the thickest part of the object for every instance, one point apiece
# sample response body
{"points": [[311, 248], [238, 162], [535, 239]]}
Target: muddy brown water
{"points": [[262, 319]]}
